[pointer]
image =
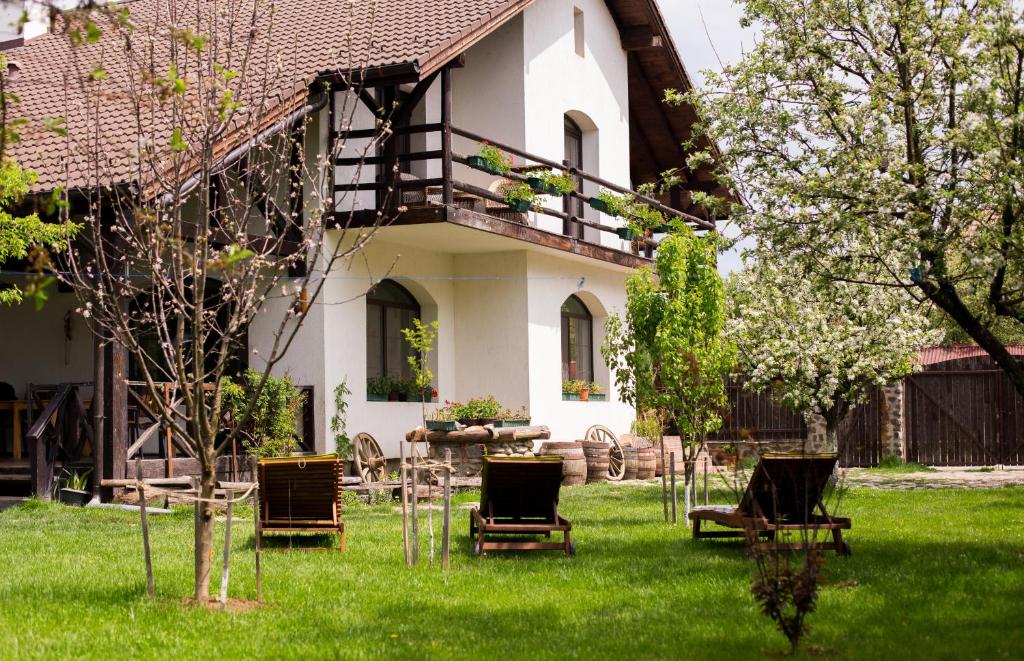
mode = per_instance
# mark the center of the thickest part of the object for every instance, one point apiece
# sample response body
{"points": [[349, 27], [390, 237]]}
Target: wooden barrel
{"points": [[574, 462], [629, 455], [597, 454], [645, 463], [672, 444]]}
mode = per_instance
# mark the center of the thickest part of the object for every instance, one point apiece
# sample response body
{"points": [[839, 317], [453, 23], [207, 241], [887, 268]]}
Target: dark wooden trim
{"points": [[397, 130], [447, 193], [641, 37], [402, 158]]}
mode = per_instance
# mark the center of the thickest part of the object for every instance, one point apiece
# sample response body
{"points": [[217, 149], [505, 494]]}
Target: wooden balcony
{"points": [[402, 199]]}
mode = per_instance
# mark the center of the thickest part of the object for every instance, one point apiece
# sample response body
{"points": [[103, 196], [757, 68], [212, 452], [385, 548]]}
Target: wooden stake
{"points": [[446, 526], [404, 475], [705, 477], [415, 517], [150, 585], [664, 486], [227, 552], [672, 464], [258, 529]]}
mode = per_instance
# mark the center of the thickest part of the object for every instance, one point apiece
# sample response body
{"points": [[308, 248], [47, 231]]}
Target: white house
{"points": [[520, 298]]}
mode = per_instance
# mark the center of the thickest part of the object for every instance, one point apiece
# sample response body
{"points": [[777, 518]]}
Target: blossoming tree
{"points": [[820, 346], [883, 143]]}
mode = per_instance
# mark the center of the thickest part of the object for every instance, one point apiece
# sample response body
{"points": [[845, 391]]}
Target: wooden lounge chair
{"points": [[519, 496], [301, 494], [782, 495]]}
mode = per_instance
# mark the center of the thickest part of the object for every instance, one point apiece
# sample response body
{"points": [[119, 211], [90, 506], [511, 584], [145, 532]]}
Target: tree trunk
{"points": [[204, 530]]}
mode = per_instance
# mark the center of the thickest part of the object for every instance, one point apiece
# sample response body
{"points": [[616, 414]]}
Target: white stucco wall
{"points": [[33, 343], [592, 89], [553, 279]]}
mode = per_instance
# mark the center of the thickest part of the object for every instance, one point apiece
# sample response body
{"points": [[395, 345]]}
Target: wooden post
{"points": [[256, 517], [415, 518], [664, 486], [403, 472], [446, 526], [672, 464], [447, 191], [705, 477], [227, 552], [99, 391], [150, 586], [116, 403]]}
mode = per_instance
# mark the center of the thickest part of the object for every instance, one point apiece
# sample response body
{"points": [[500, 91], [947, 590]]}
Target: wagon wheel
{"points": [[616, 458], [369, 458]]}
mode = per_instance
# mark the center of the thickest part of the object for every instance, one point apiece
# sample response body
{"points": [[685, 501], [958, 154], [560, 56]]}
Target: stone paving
{"points": [[942, 477]]}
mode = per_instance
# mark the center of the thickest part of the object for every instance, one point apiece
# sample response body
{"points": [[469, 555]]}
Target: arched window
{"points": [[577, 341], [389, 309]]}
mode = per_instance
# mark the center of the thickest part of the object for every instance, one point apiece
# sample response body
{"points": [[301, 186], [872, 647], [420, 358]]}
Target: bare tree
{"points": [[228, 215]]}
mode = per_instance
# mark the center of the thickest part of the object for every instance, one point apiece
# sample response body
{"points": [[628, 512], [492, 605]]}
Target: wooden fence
{"points": [[958, 417]]}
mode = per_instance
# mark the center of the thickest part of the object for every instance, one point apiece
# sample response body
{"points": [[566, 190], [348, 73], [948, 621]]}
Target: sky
{"points": [[707, 33]]}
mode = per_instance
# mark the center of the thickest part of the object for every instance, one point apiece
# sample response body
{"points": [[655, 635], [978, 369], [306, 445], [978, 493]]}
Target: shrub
{"points": [[270, 430]]}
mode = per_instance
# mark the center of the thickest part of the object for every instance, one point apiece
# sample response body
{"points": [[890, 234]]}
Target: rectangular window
{"points": [[577, 30]]}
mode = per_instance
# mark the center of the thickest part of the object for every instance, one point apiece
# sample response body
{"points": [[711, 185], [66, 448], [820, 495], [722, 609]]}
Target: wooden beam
{"points": [[641, 37]]}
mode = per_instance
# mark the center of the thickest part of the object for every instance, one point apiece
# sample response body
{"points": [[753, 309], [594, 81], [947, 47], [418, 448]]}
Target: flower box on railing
{"points": [[599, 204], [482, 164], [521, 422], [538, 184], [442, 425], [521, 206], [625, 233]]}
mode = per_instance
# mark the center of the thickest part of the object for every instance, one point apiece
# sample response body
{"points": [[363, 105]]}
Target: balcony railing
{"points": [[392, 188]]}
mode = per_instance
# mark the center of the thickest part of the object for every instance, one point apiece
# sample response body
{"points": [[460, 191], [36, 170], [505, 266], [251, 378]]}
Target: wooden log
{"points": [[477, 434], [155, 482]]}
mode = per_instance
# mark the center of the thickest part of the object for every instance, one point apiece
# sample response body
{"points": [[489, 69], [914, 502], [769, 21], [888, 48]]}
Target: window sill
{"points": [[566, 397]]}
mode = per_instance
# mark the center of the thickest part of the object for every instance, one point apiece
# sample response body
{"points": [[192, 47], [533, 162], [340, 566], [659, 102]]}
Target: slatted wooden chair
{"points": [[519, 496], [782, 495], [301, 494]]}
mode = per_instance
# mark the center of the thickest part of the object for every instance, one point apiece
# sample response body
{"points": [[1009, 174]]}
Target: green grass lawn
{"points": [[934, 574]]}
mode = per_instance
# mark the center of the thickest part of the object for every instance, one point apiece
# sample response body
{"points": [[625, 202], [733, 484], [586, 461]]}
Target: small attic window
{"points": [[577, 30]]}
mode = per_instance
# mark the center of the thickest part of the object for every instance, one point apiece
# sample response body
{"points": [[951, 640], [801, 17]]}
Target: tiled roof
{"points": [[301, 39], [942, 354]]}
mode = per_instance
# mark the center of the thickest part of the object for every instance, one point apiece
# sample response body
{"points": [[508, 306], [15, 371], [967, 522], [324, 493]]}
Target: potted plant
{"points": [[571, 389], [491, 160], [75, 489], [584, 391], [551, 182], [597, 393], [513, 418], [520, 197], [625, 233], [378, 389], [442, 419]]}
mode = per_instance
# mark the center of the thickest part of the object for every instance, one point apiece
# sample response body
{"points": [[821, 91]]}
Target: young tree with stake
{"points": [[231, 217], [669, 353]]}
